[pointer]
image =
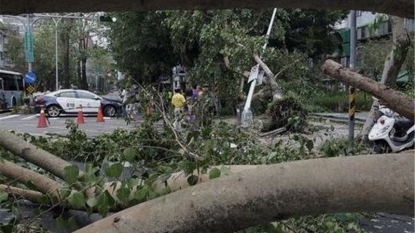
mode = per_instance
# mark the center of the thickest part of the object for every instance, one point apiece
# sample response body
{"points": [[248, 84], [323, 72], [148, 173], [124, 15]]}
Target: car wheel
{"points": [[53, 111], [109, 111]]}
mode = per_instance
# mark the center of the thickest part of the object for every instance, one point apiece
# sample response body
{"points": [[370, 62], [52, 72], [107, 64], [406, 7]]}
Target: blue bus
{"points": [[11, 89]]}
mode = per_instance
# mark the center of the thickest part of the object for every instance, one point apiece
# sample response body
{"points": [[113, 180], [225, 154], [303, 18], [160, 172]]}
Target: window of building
{"points": [[363, 32]]}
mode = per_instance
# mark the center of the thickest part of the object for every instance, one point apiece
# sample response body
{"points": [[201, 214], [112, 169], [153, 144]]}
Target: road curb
{"points": [[359, 121], [328, 115]]}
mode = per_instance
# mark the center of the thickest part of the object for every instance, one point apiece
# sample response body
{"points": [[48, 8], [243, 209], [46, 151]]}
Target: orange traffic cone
{"points": [[100, 117], [42, 119], [80, 119]]}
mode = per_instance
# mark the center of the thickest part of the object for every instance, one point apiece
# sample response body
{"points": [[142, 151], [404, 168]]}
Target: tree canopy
{"points": [[147, 45]]}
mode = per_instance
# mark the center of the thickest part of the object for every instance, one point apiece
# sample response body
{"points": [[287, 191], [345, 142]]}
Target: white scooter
{"points": [[391, 132]]}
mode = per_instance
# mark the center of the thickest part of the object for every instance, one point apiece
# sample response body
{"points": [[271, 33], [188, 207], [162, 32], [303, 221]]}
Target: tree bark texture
{"points": [[393, 64], [395, 100], [404, 8], [366, 183], [43, 183], [30, 195], [33, 154], [269, 79]]}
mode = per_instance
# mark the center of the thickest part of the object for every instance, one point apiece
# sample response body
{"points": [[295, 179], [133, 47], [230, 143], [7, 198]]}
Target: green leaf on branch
{"points": [[129, 154], [105, 202], [92, 202], [3, 196], [70, 174], [123, 194], [309, 144], [192, 180], [114, 170], [77, 200], [132, 182], [214, 173]]}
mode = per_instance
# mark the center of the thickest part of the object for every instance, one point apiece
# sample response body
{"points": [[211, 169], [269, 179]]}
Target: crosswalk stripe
{"points": [[9, 116]]}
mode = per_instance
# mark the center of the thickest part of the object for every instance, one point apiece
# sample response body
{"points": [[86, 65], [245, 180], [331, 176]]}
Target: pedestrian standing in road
{"points": [[124, 97], [199, 92], [178, 102], [195, 93]]}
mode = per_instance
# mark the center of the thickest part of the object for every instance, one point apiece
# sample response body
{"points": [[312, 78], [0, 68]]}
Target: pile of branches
{"points": [[288, 113]]}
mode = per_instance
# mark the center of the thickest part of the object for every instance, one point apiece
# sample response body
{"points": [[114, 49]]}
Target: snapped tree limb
{"points": [[35, 155], [275, 192], [43, 183], [395, 100], [33, 196]]}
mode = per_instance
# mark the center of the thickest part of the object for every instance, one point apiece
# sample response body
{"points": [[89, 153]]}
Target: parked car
{"points": [[68, 101]]}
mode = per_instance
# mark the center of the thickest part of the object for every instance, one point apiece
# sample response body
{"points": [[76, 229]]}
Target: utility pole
{"points": [[246, 117], [352, 66], [28, 22], [56, 19]]}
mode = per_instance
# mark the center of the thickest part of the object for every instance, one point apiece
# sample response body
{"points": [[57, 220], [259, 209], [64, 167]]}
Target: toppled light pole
{"points": [[246, 118]]}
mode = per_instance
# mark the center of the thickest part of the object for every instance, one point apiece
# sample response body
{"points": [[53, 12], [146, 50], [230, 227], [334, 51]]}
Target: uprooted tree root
{"points": [[288, 113]]}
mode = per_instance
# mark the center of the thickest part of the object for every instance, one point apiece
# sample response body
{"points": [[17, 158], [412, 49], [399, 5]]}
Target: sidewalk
{"points": [[360, 117]]}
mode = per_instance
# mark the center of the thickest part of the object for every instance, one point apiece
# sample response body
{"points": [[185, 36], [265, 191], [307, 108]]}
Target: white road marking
{"points": [[29, 117], [9, 116]]}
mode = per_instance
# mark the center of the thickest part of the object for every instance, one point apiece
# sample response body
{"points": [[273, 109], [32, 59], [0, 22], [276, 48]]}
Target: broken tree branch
{"points": [[24, 175], [35, 155], [395, 100], [30, 195]]}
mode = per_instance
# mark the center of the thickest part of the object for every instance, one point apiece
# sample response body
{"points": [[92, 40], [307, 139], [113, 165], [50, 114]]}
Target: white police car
{"points": [[69, 101]]}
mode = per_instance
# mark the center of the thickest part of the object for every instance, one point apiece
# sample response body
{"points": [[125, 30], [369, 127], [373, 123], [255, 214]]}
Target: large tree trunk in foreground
{"points": [[274, 192], [393, 64], [395, 100]]}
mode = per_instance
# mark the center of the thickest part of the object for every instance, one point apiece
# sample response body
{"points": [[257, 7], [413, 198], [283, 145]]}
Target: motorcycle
{"points": [[391, 132]]}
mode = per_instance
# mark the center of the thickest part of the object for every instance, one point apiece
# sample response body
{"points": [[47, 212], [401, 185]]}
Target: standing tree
{"points": [[67, 29], [392, 65]]}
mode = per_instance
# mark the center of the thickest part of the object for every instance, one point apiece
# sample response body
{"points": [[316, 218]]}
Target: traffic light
{"points": [[107, 19]]}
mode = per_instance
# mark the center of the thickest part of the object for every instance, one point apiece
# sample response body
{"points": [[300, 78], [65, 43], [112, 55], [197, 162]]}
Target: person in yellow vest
{"points": [[178, 102]]}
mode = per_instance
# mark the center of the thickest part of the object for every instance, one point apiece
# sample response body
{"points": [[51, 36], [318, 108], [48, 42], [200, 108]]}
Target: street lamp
{"points": [[28, 37], [56, 53], [56, 19]]}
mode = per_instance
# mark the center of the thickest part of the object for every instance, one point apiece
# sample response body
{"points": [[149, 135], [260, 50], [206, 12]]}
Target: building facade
{"points": [[369, 25]]}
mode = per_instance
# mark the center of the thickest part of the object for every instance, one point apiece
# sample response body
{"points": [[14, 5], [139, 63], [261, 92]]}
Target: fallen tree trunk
{"points": [[43, 183], [395, 100], [274, 192], [33, 154]]}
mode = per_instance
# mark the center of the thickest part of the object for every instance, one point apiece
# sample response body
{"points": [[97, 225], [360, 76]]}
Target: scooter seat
{"points": [[403, 124]]}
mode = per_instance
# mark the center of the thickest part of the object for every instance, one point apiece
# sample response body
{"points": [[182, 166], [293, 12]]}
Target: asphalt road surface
{"points": [[21, 123]]}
